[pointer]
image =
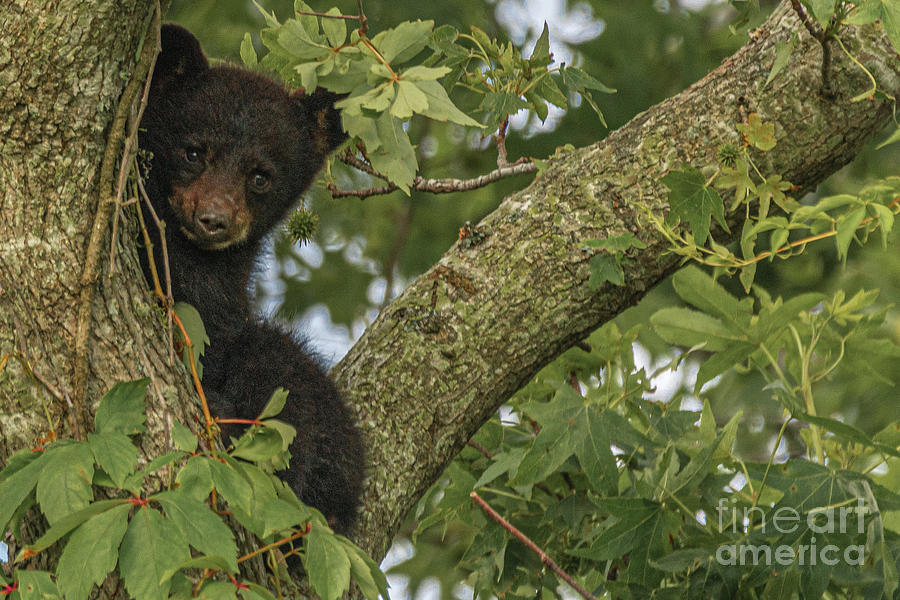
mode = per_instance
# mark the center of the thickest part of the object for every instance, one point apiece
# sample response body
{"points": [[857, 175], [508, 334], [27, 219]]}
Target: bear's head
{"points": [[231, 150]]}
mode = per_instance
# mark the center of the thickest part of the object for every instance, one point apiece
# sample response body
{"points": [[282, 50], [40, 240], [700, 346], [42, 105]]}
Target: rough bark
{"points": [[63, 68], [440, 360]]}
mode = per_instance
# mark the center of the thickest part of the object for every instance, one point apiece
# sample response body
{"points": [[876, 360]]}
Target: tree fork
{"points": [[441, 358]]}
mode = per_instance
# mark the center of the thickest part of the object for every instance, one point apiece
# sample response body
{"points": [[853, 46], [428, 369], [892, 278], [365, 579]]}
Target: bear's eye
{"points": [[192, 155], [259, 181]]}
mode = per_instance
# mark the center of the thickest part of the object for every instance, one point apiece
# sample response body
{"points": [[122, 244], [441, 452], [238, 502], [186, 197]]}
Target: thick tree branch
{"points": [[441, 358]]}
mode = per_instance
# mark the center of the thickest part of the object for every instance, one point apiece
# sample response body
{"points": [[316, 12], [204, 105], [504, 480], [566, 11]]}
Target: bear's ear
{"points": [[180, 57], [317, 110]]}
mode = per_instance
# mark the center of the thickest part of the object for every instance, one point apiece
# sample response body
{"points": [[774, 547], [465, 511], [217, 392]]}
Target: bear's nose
{"points": [[212, 220]]}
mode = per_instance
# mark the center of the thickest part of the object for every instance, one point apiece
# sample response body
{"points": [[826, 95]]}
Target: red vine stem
{"points": [[280, 542], [196, 377], [531, 545]]}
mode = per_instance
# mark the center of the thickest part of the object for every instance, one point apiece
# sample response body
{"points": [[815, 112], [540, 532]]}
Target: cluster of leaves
{"points": [[639, 499], [170, 543], [693, 199], [408, 70]]}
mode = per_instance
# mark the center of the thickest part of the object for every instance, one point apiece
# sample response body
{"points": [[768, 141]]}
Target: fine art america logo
{"points": [[786, 520]]}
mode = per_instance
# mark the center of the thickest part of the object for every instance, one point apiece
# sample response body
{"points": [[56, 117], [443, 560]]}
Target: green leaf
{"points": [[555, 442], [335, 29], [773, 323], [122, 408], [275, 404], [688, 328], [232, 483], [211, 590], [64, 485], [309, 78], [184, 438], [549, 91], [616, 243], [503, 462], [404, 41], [327, 564], [371, 581], [633, 518], [444, 37], [419, 73], [578, 80], [258, 444], [15, 488], [822, 10], [195, 477], [440, 108], [271, 21], [193, 325], [540, 54], [310, 23], [91, 552], [694, 202], [294, 41], [699, 466], [410, 99], [151, 547], [786, 586], [36, 585], [605, 267], [721, 362], [700, 290], [161, 461], [772, 188], [885, 219], [592, 447], [502, 104], [892, 139], [783, 50], [115, 453], [757, 133], [682, 560], [395, 158], [248, 54], [537, 104], [200, 526], [73, 520], [738, 178], [846, 230]]}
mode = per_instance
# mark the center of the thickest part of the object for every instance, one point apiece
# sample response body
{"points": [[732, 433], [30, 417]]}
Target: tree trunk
{"points": [[63, 69], [441, 358]]}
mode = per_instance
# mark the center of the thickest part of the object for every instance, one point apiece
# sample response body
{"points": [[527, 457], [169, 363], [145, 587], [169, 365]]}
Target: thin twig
{"points": [[290, 538], [197, 385], [327, 16], [128, 156], [534, 547], [348, 158], [167, 298], [804, 18], [824, 37], [480, 448], [363, 21], [441, 186], [105, 205], [501, 143]]}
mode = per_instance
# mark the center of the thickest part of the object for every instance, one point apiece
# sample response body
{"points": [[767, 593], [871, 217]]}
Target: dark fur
{"points": [[212, 132]]}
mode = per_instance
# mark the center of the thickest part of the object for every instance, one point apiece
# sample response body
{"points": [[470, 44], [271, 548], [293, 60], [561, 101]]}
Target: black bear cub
{"points": [[231, 153]]}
